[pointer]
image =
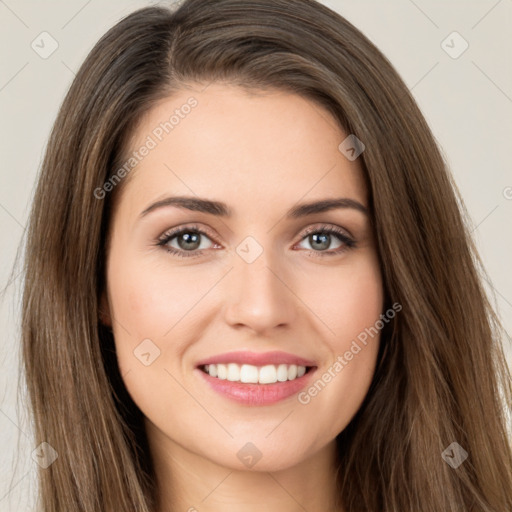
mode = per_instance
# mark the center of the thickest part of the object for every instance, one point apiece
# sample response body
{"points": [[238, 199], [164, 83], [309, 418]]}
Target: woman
{"points": [[186, 350]]}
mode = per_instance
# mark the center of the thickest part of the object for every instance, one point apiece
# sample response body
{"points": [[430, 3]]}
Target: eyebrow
{"points": [[221, 209]]}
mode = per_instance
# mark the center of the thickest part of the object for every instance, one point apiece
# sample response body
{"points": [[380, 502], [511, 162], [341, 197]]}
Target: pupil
{"points": [[189, 238], [324, 242]]}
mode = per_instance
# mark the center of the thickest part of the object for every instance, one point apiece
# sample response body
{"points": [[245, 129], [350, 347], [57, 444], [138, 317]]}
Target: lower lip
{"points": [[257, 394]]}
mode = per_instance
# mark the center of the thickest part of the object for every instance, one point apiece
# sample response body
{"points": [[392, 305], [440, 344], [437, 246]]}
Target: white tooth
{"points": [[233, 372], [249, 374], [268, 374], [282, 373], [222, 371]]}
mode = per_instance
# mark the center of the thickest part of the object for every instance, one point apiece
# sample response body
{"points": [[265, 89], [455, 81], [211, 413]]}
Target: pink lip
{"points": [[256, 394], [257, 359]]}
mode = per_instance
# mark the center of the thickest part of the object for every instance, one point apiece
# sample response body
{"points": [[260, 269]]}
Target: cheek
{"points": [[145, 307], [347, 301], [350, 305], [148, 299], [141, 310]]}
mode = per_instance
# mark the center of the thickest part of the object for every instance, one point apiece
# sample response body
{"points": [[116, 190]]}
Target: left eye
{"points": [[322, 240]]}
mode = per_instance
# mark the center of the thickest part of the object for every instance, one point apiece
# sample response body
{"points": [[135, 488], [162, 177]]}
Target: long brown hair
{"points": [[441, 375]]}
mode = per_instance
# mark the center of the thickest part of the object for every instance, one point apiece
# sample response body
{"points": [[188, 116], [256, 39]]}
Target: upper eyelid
{"points": [[316, 227], [171, 233]]}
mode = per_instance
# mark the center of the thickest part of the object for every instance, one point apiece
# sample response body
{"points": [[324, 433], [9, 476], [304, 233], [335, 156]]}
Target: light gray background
{"points": [[466, 100]]}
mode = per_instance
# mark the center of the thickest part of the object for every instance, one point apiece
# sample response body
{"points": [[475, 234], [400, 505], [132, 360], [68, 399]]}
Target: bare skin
{"points": [[261, 154]]}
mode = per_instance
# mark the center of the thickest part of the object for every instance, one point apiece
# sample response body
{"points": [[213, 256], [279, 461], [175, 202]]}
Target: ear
{"points": [[104, 310]]}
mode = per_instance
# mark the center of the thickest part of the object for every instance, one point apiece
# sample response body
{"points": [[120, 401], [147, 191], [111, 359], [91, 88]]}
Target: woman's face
{"points": [[255, 283]]}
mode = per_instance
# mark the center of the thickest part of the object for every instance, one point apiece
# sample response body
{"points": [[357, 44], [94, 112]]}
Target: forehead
{"points": [[265, 148]]}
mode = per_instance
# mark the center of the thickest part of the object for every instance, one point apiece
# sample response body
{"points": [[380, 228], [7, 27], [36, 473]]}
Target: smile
{"points": [[250, 374], [256, 378]]}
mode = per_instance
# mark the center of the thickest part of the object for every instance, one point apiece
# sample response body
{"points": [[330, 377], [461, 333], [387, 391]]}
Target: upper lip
{"points": [[257, 358]]}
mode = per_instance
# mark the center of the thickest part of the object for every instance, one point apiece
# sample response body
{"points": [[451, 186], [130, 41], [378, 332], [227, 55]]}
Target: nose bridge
{"points": [[257, 295]]}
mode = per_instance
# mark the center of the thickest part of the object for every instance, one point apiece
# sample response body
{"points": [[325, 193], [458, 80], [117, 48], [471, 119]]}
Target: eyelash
{"points": [[348, 242]]}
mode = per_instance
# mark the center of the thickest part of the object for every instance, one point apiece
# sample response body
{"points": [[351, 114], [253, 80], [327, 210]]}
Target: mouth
{"points": [[256, 378], [251, 374]]}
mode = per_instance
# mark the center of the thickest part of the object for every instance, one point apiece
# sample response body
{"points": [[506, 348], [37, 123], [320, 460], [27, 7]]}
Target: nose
{"points": [[259, 295]]}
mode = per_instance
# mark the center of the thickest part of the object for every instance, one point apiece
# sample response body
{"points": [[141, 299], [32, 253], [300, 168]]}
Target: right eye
{"points": [[188, 240]]}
